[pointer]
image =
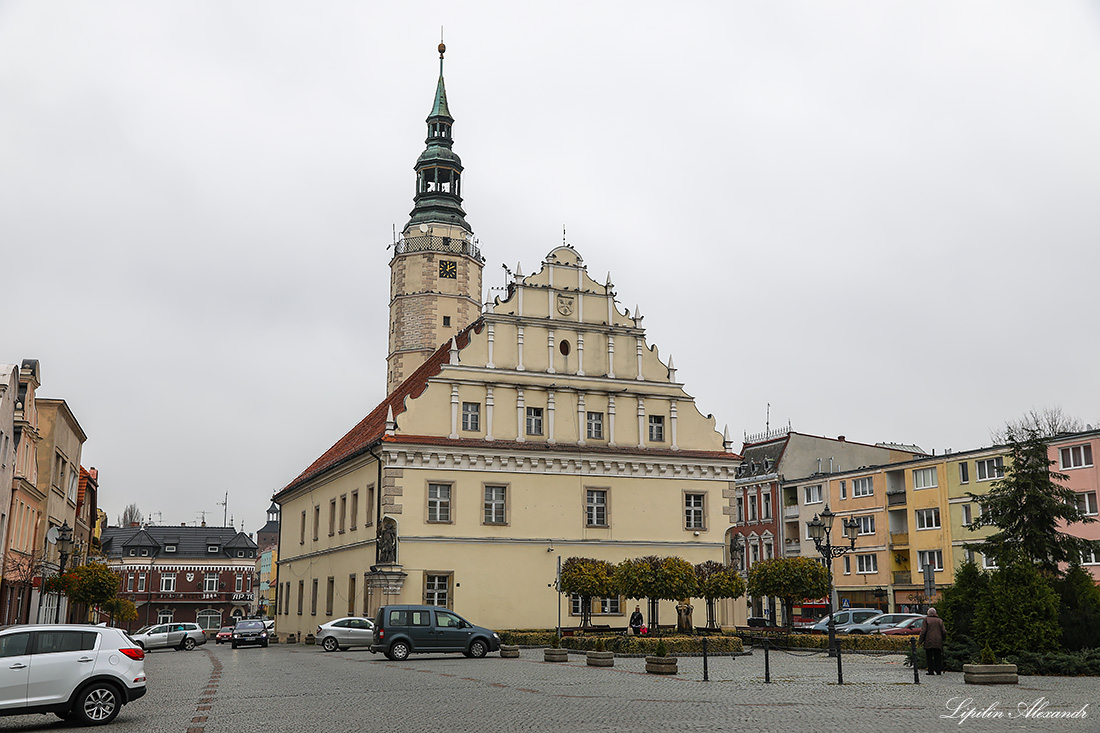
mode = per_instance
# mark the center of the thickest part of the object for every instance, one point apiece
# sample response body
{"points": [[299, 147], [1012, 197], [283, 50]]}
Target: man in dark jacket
{"points": [[932, 635]]}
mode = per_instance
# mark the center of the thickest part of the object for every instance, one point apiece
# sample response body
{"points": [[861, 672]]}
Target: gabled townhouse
{"points": [[188, 573], [23, 549]]}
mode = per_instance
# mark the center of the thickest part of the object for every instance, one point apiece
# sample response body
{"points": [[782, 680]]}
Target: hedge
{"points": [[627, 644], [964, 650], [855, 642]]}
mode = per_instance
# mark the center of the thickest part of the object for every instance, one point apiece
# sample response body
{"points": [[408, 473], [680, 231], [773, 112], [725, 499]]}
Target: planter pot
{"points": [[310, 639], [555, 655], [660, 665], [601, 659], [291, 639], [507, 651], [990, 674]]}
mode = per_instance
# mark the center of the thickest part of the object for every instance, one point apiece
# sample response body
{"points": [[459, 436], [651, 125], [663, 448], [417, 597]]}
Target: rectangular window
{"points": [[1091, 557], [866, 524], [966, 514], [847, 565], [866, 563], [141, 582], [331, 517], [767, 511], [843, 489], [238, 583], [769, 552], [596, 509], [495, 505], [813, 494], [210, 583], [990, 468], [130, 583], [168, 583], [924, 478], [928, 518], [576, 604], [740, 509], [534, 421], [863, 486], [752, 507], [437, 590], [313, 599], [330, 595], [369, 519], [439, 502], [471, 416], [1086, 502], [343, 513], [755, 553], [609, 606], [988, 563], [595, 426], [693, 511], [302, 538], [964, 472], [1076, 456], [354, 509], [316, 522], [930, 557], [656, 428], [351, 594]]}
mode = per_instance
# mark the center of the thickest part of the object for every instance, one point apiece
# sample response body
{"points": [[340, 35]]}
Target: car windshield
{"points": [[250, 625], [143, 630], [227, 628]]}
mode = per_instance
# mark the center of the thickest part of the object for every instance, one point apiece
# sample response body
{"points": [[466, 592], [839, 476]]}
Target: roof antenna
{"points": [[442, 50], [768, 420], [563, 242], [224, 504]]}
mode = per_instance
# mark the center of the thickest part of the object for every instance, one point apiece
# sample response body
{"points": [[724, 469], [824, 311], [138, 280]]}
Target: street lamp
{"points": [[821, 532], [64, 546]]}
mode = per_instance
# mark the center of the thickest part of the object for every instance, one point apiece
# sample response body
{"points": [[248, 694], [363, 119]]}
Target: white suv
{"points": [[78, 672]]}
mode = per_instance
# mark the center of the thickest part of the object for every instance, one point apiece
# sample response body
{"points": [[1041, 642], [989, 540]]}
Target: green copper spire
{"points": [[438, 198]]}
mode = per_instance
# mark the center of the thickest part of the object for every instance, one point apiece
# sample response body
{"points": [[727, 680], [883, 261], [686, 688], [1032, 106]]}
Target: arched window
{"points": [[210, 618]]}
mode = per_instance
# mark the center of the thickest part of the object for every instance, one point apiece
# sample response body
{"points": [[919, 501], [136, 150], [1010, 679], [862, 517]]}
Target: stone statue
{"points": [[683, 617], [387, 542]]}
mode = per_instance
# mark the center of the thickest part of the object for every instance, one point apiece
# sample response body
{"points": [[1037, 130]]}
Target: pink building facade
{"points": [[1075, 456]]}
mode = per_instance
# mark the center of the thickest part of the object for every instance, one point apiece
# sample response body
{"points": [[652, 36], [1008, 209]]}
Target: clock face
{"points": [[448, 269]]}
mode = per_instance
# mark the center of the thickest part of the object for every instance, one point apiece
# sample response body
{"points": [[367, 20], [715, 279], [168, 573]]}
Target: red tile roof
{"points": [[372, 429]]}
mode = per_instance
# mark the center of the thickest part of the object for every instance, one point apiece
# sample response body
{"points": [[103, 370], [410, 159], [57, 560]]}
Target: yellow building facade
{"points": [[545, 427]]}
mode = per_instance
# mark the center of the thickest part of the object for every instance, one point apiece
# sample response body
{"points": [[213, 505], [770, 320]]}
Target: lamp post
{"points": [[821, 532], [64, 546]]}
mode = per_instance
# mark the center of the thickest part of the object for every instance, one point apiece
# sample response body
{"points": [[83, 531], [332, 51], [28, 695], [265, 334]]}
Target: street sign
{"points": [[845, 604]]}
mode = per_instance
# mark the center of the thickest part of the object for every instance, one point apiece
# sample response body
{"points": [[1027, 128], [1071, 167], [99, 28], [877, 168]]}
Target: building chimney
{"points": [[135, 524], [840, 438]]}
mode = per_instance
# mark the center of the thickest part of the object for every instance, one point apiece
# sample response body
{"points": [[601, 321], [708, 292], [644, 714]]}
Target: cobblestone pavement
{"points": [[216, 689]]}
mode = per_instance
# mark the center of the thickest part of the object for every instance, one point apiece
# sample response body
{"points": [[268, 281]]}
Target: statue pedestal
{"points": [[388, 578]]}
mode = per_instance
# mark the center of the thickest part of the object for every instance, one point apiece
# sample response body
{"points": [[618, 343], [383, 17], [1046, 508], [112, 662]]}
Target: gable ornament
{"points": [[565, 304]]}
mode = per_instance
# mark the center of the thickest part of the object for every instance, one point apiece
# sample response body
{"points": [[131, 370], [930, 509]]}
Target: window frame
{"points": [[920, 475], [806, 495], [502, 503], [210, 583], [694, 513], [471, 418], [437, 504], [871, 559], [534, 421], [167, 582], [591, 509], [983, 466], [1083, 460], [931, 512], [863, 486], [936, 556], [431, 593], [870, 519], [656, 430], [593, 425]]}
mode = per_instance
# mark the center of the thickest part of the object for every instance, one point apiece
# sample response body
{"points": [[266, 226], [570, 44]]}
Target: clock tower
{"points": [[435, 273]]}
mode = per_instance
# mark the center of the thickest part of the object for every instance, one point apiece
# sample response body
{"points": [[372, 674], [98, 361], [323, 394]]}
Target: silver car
{"points": [[178, 636], [878, 624], [346, 632]]}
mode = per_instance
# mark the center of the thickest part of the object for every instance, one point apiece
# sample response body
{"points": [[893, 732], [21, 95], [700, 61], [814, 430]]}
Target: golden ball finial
{"points": [[442, 50]]}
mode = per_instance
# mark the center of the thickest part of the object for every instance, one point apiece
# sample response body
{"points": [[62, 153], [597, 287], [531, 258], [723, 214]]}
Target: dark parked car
{"points": [[249, 631], [403, 630]]}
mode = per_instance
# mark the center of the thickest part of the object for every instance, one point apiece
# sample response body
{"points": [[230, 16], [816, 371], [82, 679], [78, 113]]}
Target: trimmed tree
{"points": [[121, 610], [1019, 611], [655, 578], [1029, 506], [791, 579], [588, 578], [96, 584], [716, 581]]}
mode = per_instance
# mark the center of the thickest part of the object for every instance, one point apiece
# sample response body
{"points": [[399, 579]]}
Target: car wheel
{"points": [[478, 648], [399, 651], [330, 644], [234, 645], [97, 704], [140, 645], [188, 643]]}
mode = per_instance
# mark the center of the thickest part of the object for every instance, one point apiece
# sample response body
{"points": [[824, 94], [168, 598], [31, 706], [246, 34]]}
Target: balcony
{"points": [[432, 243], [790, 512], [903, 577], [895, 498], [899, 540]]}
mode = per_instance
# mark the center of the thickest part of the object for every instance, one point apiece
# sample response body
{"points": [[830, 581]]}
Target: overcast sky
{"points": [[879, 217]]}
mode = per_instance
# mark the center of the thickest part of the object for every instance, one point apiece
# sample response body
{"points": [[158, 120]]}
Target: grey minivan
{"points": [[403, 630]]}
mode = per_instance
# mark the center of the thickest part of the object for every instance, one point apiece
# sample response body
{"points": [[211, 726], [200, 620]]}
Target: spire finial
{"points": [[442, 50]]}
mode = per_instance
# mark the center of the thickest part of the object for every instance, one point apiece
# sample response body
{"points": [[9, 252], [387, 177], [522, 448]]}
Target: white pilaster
{"points": [[611, 419], [550, 417], [611, 356], [489, 364], [582, 420], [550, 351], [519, 343], [641, 421], [638, 350], [580, 354], [454, 410], [520, 411], [488, 412], [672, 424]]}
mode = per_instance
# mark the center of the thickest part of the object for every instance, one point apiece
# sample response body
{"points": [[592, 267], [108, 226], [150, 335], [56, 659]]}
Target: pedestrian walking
{"points": [[636, 621], [932, 635]]}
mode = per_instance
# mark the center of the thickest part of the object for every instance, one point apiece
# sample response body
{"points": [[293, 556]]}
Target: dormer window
{"points": [[240, 553], [169, 548], [212, 548], [145, 552], [133, 552]]}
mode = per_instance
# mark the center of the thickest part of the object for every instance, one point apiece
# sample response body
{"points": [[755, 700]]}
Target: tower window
{"points": [[446, 320]]}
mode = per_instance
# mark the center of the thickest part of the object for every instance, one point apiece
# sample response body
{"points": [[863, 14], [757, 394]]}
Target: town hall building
{"points": [[514, 434]]}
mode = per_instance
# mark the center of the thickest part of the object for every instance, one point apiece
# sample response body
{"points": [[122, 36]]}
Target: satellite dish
{"points": [[424, 228], [51, 535]]}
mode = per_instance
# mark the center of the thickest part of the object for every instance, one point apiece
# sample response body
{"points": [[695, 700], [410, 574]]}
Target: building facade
{"points": [[194, 574], [1074, 455], [546, 427]]}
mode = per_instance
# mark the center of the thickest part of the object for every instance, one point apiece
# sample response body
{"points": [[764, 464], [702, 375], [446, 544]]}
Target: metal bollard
{"points": [[767, 664], [839, 666], [913, 656], [706, 677]]}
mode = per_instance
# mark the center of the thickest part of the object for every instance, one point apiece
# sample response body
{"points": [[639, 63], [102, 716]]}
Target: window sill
{"points": [[494, 524], [597, 526], [439, 521]]}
